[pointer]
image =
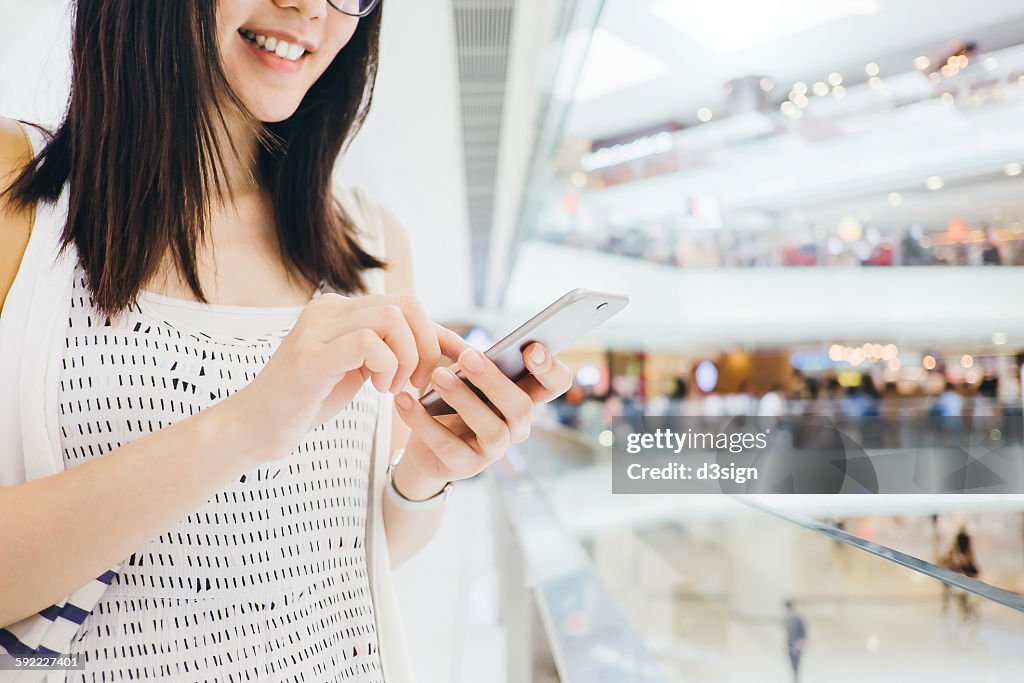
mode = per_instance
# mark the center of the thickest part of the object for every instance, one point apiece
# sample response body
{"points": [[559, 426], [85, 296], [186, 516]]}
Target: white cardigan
{"points": [[33, 326]]}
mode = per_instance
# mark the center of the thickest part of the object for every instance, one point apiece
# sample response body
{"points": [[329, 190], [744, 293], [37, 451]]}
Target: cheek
{"points": [[337, 35], [230, 15]]}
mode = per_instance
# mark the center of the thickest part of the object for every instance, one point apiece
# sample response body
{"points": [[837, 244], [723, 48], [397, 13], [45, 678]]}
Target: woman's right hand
{"points": [[337, 343]]}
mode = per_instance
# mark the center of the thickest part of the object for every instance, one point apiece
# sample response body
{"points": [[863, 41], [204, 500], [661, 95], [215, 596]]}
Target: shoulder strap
{"points": [[14, 230]]}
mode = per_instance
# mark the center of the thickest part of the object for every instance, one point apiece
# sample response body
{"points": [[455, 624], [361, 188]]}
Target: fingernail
{"points": [[444, 378], [471, 360], [537, 355], [404, 400]]}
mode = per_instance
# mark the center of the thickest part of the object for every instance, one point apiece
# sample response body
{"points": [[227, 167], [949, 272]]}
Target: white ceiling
{"points": [[891, 37]]}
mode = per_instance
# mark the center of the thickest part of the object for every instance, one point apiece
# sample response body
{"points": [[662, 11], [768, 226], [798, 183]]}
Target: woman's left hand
{"points": [[460, 445]]}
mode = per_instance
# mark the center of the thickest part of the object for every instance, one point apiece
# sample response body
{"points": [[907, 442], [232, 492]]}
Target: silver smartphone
{"points": [[567, 319]]}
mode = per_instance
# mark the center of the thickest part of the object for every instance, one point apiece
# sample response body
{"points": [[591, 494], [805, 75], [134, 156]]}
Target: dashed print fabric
{"points": [[267, 581]]}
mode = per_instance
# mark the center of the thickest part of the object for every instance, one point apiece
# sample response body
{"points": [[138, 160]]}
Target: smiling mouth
{"points": [[278, 48]]}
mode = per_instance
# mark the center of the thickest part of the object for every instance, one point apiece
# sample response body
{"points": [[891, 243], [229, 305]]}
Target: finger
{"points": [[451, 450], [513, 403], [492, 434], [537, 392], [358, 349], [353, 302], [427, 345], [423, 333], [339, 308], [390, 324], [452, 344], [551, 376]]}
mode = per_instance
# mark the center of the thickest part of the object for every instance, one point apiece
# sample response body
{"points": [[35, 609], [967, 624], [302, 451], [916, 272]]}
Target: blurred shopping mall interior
{"points": [[816, 207]]}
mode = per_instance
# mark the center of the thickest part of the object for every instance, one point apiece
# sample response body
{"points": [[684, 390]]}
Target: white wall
{"points": [[409, 154], [35, 63]]}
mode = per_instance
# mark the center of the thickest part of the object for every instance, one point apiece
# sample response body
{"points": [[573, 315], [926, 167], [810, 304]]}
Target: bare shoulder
{"points": [[15, 152], [398, 277]]}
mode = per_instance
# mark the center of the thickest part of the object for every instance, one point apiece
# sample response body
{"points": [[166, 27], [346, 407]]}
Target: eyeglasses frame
{"points": [[373, 6]]}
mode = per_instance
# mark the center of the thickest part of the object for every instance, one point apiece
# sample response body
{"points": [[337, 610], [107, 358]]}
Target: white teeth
{"points": [[281, 48]]}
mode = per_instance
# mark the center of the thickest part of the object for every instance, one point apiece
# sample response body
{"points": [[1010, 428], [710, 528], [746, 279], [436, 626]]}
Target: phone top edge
{"points": [[570, 297], [582, 293]]}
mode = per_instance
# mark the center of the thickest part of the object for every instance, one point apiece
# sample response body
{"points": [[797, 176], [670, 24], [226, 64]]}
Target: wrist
{"points": [[230, 423], [413, 484]]}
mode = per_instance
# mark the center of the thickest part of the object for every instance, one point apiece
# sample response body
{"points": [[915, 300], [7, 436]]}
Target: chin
{"points": [[271, 113]]}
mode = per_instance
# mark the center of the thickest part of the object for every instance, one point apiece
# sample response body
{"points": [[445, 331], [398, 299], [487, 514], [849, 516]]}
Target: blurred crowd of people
{"points": [[720, 249], [581, 409]]}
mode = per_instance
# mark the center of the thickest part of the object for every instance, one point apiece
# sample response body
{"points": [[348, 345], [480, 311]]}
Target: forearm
{"points": [[61, 531], [407, 531]]}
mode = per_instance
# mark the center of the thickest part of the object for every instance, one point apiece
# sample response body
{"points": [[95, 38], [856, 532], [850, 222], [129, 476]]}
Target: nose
{"points": [[310, 9]]}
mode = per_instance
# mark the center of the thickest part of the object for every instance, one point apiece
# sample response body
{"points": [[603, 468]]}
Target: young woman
{"points": [[217, 311]]}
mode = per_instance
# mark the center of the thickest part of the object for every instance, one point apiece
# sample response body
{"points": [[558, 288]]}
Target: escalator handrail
{"points": [[946, 576]]}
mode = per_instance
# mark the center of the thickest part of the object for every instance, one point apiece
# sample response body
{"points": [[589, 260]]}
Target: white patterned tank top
{"points": [[267, 581]]}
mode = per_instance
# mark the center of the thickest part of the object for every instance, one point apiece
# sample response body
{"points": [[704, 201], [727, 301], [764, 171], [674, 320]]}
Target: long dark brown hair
{"points": [[139, 149]]}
